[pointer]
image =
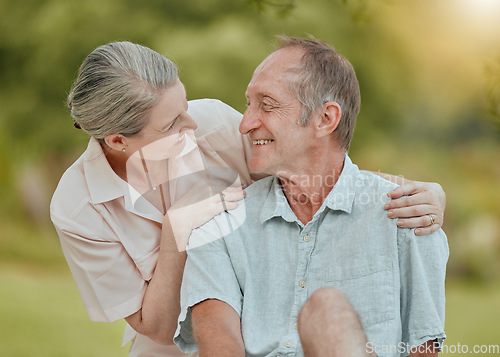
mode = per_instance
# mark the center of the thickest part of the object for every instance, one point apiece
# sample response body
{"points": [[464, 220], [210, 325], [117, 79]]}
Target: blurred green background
{"points": [[429, 72]]}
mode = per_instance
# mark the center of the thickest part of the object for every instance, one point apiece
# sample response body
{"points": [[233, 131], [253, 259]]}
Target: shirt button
{"points": [[302, 284], [288, 344], [307, 238]]}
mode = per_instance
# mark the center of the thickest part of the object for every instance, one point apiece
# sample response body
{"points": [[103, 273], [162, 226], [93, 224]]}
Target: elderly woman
{"points": [[155, 168]]}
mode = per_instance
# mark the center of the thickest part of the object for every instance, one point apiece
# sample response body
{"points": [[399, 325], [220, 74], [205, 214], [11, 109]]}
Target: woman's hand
{"points": [[196, 207], [419, 205]]}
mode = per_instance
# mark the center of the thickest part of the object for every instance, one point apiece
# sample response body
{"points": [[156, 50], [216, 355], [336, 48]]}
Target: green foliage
{"points": [[281, 7], [418, 95], [492, 90]]}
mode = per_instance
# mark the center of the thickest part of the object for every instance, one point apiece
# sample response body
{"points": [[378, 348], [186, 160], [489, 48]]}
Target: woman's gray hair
{"points": [[323, 75], [117, 86]]}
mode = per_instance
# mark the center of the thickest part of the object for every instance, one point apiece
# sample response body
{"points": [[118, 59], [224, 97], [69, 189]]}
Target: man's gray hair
{"points": [[324, 75], [117, 86]]}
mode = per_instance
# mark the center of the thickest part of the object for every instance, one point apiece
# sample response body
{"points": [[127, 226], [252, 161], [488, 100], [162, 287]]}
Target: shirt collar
{"points": [[276, 204], [103, 183], [340, 198]]}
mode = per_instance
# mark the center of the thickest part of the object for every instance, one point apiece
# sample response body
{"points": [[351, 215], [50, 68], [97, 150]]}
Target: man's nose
{"points": [[250, 120]]}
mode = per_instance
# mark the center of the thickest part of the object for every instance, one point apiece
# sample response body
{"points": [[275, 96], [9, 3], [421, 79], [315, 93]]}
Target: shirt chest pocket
{"points": [[369, 287]]}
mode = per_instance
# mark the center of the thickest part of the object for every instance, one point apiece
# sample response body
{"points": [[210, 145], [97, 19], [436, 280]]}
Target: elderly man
{"points": [[315, 267]]}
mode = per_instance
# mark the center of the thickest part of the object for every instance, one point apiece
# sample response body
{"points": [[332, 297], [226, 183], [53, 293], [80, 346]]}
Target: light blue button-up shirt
{"points": [[268, 264]]}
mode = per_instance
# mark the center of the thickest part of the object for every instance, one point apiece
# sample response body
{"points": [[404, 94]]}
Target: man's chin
{"points": [[259, 169]]}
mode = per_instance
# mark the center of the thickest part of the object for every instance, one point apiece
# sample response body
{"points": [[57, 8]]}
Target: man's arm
{"points": [[209, 279], [217, 329], [422, 267], [414, 203]]}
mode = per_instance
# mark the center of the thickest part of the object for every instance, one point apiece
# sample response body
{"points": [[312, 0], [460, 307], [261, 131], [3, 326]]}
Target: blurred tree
{"points": [[492, 93], [419, 65], [282, 7]]}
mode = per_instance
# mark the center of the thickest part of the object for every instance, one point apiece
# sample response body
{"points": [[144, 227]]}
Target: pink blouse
{"points": [[112, 247]]}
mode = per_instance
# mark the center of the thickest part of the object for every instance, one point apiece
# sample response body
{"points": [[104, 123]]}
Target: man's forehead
{"points": [[276, 65], [283, 59]]}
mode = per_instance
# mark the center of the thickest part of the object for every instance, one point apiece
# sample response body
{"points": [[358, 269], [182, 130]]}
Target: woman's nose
{"points": [[189, 123]]}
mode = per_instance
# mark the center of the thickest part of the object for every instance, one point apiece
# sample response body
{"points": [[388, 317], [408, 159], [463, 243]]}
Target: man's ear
{"points": [[116, 141], [328, 118]]}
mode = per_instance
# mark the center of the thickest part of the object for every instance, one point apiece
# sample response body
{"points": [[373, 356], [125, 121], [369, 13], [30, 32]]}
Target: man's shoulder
{"points": [[369, 196], [259, 188], [243, 218], [373, 183], [250, 206]]}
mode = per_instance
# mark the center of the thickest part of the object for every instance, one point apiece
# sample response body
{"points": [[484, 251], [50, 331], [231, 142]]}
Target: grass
{"points": [[472, 317], [42, 315]]}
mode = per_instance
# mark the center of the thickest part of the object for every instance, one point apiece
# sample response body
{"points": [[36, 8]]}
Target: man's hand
{"points": [[419, 205]]}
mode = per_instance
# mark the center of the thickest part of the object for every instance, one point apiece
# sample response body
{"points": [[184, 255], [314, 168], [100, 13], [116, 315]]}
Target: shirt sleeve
{"points": [[422, 263], [208, 274], [108, 281]]}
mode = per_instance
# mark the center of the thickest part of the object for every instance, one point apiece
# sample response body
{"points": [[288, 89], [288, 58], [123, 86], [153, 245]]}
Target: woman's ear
{"points": [[116, 142], [328, 118]]}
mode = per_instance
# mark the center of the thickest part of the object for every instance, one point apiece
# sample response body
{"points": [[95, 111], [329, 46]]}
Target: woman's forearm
{"points": [[157, 318]]}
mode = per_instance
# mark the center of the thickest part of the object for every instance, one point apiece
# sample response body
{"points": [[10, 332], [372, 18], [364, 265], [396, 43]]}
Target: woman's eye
{"points": [[172, 125]]}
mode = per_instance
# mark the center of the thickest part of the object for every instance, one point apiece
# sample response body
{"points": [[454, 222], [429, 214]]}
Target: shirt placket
{"points": [[305, 240]]}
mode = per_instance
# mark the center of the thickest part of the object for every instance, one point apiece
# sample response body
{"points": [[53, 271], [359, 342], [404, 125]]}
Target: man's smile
{"points": [[262, 141]]}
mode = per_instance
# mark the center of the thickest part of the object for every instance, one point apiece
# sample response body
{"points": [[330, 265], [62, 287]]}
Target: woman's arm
{"points": [[160, 309], [157, 318]]}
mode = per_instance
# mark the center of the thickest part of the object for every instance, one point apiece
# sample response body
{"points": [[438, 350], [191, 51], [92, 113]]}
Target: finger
{"points": [[416, 199], [418, 222], [236, 196], [427, 230], [230, 205], [404, 190], [232, 189], [233, 195], [412, 211], [225, 206]]}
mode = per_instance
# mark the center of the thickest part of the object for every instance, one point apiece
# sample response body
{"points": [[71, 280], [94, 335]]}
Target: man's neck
{"points": [[306, 192]]}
